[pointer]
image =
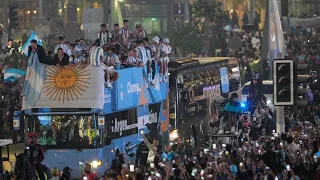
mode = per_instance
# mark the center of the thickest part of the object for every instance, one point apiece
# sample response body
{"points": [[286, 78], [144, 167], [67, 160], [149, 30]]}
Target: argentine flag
{"points": [[25, 46], [34, 80], [276, 40], [12, 75]]}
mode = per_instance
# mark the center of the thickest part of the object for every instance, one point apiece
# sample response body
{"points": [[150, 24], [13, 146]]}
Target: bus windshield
{"points": [[66, 131]]}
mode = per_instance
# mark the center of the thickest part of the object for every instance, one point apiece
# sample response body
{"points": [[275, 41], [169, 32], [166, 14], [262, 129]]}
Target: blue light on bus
{"points": [[243, 105]]}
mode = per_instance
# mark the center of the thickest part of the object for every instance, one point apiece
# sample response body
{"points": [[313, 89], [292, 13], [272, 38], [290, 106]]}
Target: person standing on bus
{"points": [[104, 35], [139, 33], [167, 52], [159, 57], [141, 52], [112, 64], [126, 34], [150, 54], [62, 45]]}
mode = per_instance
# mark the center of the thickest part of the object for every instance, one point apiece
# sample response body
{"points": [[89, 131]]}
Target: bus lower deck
{"points": [[84, 122], [194, 83]]}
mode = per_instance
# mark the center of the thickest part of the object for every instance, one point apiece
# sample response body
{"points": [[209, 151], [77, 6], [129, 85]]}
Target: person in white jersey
{"points": [[159, 56], [166, 54], [63, 46], [77, 57], [126, 34], [104, 35]]}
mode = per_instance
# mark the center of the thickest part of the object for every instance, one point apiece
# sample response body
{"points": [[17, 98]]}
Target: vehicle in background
{"points": [[193, 84], [268, 93], [79, 120]]}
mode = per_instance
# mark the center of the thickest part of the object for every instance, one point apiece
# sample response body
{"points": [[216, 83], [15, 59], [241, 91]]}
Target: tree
{"points": [[205, 33], [49, 41], [187, 39], [213, 19]]}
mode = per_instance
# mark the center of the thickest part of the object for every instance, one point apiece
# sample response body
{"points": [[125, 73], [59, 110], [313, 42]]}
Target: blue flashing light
{"points": [[243, 105]]}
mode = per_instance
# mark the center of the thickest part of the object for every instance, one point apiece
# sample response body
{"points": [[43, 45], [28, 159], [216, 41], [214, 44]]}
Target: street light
{"points": [[28, 12], [34, 12], [78, 9]]}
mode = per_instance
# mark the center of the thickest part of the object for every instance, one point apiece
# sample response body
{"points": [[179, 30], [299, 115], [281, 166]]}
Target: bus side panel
{"points": [[61, 158], [132, 90], [127, 145], [164, 120]]}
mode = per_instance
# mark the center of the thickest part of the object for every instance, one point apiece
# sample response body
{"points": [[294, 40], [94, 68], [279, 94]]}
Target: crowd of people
{"points": [[122, 47], [257, 154]]}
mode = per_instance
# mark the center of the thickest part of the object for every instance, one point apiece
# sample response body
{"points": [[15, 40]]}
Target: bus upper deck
{"points": [[82, 87], [206, 71]]}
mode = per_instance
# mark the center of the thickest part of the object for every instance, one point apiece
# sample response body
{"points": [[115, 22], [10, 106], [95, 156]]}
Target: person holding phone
{"points": [[152, 147], [287, 173]]}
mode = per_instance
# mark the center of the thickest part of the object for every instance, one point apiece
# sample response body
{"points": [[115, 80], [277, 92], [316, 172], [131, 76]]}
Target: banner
{"points": [[121, 124], [71, 87], [143, 120], [305, 23], [276, 39], [224, 79], [132, 89], [16, 123]]}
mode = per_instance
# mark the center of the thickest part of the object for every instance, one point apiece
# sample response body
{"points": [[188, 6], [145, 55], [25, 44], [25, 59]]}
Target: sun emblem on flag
{"points": [[66, 83]]}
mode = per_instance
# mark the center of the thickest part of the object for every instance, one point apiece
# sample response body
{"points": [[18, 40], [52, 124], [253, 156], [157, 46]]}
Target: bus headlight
{"points": [[269, 102], [174, 135], [96, 164]]}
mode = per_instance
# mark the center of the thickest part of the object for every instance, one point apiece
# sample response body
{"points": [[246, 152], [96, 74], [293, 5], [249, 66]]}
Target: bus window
{"points": [[234, 76], [233, 85], [245, 90], [216, 76], [75, 132]]}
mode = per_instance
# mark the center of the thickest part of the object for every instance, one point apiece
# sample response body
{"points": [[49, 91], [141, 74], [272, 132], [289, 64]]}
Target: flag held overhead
{"points": [[26, 45]]}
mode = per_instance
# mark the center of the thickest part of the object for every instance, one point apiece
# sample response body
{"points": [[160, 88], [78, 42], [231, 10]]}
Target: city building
{"points": [[155, 16]]}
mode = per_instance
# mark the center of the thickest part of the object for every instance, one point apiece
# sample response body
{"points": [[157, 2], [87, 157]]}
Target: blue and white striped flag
{"points": [[12, 75], [34, 80], [25, 46], [276, 40]]}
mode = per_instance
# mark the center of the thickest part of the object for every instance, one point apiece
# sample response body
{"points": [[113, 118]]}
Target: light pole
{"points": [[251, 12], [106, 12], [40, 8], [5, 16]]}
